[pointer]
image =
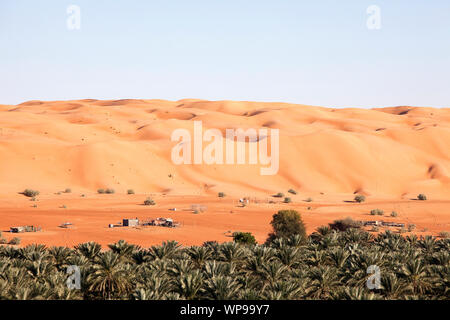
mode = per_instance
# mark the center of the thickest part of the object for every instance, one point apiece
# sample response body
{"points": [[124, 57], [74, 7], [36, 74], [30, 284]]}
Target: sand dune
{"points": [[385, 153]]}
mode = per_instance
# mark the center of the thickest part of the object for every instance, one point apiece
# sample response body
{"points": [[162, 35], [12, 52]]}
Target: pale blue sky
{"points": [[313, 52]]}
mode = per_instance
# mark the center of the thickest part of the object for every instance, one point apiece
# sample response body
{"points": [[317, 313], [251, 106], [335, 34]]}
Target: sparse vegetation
{"points": [[292, 191], [279, 195], [14, 241], [101, 191], [287, 200], [345, 224], [308, 200], [394, 214], [411, 227], [3, 241], [360, 198], [30, 193], [244, 238], [68, 190], [286, 223], [221, 195], [130, 191], [149, 202], [444, 234], [110, 191], [377, 212], [422, 197]]}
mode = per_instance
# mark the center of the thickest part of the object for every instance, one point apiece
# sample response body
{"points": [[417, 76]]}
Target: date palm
{"points": [[189, 285], [222, 288], [109, 276], [90, 250]]}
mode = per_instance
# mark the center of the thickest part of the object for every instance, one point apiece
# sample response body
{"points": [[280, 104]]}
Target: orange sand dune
{"points": [[388, 154]]}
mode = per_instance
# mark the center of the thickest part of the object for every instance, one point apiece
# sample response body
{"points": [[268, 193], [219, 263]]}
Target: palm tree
{"points": [[189, 285], [90, 250], [167, 250], [415, 272], [322, 281], [109, 276], [222, 288], [199, 255]]}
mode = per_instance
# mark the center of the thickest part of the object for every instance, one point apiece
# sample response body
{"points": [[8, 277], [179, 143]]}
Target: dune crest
{"points": [[88, 144]]}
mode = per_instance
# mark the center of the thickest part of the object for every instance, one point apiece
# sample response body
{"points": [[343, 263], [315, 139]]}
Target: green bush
{"points": [[377, 212], [286, 223], [360, 198], [149, 202], [244, 238], [30, 193], [14, 241], [344, 224], [444, 234], [422, 197], [279, 195]]}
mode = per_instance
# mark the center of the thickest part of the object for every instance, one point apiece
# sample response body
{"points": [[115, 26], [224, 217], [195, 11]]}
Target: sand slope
{"points": [[386, 153], [122, 144]]}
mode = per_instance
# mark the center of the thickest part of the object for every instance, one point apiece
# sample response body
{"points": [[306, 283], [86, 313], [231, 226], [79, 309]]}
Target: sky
{"points": [[322, 52]]}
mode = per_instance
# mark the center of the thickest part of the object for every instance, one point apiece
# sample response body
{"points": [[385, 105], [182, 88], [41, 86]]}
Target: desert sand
{"points": [[388, 154]]}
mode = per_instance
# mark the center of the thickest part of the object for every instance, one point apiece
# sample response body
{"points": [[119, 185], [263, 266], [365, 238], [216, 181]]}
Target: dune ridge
{"points": [[89, 144]]}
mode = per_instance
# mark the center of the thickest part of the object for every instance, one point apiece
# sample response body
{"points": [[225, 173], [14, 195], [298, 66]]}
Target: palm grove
{"points": [[329, 264]]}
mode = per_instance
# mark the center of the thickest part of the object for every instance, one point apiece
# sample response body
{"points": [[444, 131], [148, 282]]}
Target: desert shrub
{"points": [[63, 206], [279, 195], [286, 223], [30, 193], [33, 199], [444, 234], [344, 224], [292, 191], [402, 230], [110, 191], [3, 241], [422, 197], [287, 200], [375, 229], [309, 200], [68, 190], [394, 214], [360, 198], [14, 241], [130, 191], [101, 191], [221, 194], [149, 202], [411, 227], [377, 212], [244, 238]]}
